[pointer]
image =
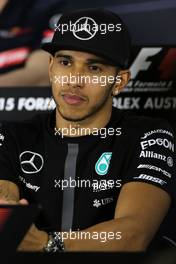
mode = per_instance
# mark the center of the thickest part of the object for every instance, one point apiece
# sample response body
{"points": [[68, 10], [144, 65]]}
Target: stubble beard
{"points": [[91, 112]]}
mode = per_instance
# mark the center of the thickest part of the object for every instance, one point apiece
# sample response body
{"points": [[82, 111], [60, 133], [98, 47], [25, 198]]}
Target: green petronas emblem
{"points": [[102, 165]]}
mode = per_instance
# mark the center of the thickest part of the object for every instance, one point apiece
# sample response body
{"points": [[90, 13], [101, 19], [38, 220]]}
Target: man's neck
{"points": [[96, 121]]}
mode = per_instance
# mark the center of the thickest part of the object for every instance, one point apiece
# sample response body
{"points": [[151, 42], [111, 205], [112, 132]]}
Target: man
{"points": [[100, 174], [23, 25]]}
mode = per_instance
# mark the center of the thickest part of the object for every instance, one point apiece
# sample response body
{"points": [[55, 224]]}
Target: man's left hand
{"points": [[34, 240]]}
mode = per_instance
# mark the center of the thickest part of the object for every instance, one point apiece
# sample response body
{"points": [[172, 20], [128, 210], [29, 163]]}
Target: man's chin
{"points": [[72, 117], [78, 115]]}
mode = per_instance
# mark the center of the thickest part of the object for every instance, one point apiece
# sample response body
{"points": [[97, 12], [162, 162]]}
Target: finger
{"points": [[23, 202], [4, 201]]}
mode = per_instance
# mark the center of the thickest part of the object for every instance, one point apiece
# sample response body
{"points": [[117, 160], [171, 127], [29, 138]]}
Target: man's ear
{"points": [[124, 76], [51, 61]]}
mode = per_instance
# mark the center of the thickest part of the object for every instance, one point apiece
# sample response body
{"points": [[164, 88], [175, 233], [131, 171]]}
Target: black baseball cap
{"points": [[97, 31]]}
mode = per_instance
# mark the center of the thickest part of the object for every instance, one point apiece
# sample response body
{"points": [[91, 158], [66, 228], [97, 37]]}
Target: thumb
{"points": [[23, 202]]}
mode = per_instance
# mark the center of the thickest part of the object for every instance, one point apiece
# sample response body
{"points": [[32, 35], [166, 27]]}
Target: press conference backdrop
{"points": [[151, 90]]}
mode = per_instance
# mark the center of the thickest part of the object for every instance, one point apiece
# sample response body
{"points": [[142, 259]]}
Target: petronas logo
{"points": [[102, 165]]}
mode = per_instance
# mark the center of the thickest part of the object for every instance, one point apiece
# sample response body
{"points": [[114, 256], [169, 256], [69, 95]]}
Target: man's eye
{"points": [[95, 68], [65, 62]]}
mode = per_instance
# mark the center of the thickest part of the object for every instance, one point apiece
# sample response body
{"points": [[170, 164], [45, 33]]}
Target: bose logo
{"points": [[151, 178]]}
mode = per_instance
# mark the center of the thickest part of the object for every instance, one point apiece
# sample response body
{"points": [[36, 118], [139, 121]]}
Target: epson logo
{"points": [[159, 141]]}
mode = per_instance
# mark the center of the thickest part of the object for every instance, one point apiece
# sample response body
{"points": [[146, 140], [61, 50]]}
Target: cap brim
{"points": [[47, 47], [54, 47]]}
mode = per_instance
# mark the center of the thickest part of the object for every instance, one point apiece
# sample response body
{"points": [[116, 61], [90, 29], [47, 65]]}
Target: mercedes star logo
{"points": [[31, 162], [85, 28]]}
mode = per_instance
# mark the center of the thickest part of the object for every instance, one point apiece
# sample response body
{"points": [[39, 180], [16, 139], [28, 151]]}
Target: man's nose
{"points": [[77, 79]]}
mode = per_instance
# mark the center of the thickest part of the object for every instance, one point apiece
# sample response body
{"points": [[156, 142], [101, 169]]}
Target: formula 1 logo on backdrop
{"points": [[145, 57], [152, 69]]}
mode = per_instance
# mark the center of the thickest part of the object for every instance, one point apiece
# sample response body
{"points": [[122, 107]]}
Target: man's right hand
{"points": [[9, 202], [9, 192]]}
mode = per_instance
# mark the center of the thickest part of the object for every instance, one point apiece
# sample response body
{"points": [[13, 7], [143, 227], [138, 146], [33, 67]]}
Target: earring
{"points": [[49, 103], [115, 93]]}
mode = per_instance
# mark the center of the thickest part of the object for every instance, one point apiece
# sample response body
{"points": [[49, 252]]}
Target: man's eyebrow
{"points": [[97, 60], [88, 61], [63, 55]]}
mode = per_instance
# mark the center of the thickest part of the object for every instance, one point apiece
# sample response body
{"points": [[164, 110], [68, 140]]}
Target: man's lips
{"points": [[72, 99]]}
